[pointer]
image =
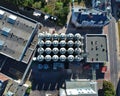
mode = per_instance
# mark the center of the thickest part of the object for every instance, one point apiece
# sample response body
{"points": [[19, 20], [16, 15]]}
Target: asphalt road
{"points": [[113, 52]]}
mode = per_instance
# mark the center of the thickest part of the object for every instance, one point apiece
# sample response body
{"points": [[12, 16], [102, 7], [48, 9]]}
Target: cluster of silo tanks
{"points": [[60, 47]]}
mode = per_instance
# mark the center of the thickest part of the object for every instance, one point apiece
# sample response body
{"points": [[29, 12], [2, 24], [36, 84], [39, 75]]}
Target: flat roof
{"points": [[96, 48], [3, 77], [20, 34]]}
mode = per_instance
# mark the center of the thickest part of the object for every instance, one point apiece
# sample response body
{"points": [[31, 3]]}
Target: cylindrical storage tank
{"points": [[62, 50], [78, 43], [47, 58], [62, 36], [62, 43], [48, 36], [41, 43], [40, 50], [40, 35], [70, 43], [70, 50], [78, 58], [55, 50], [40, 58], [70, 58], [48, 43], [77, 36], [70, 36], [55, 58], [55, 36], [62, 58], [48, 50], [78, 50], [55, 43]]}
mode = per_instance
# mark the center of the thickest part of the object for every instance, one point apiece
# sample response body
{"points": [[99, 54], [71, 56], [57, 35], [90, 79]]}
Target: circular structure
{"points": [[48, 58], [78, 43], [55, 36], [62, 36], [70, 50], [62, 58], [40, 58], [77, 36], [48, 50], [55, 50], [41, 43], [70, 58], [40, 50], [70, 43], [62, 50], [40, 35], [78, 58], [62, 43], [48, 43], [55, 43], [70, 36], [55, 58], [48, 36], [78, 50]]}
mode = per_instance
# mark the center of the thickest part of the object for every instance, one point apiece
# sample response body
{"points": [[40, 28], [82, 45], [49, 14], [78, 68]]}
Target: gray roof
{"points": [[18, 37], [96, 48]]}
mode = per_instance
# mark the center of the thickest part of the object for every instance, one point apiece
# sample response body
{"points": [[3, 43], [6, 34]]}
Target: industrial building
{"points": [[18, 41], [96, 48], [83, 17], [60, 47], [17, 34], [80, 87]]}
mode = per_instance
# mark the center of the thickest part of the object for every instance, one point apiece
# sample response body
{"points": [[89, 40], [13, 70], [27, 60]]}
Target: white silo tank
{"points": [[78, 58], [41, 43], [55, 36], [62, 36], [82, 37], [70, 50], [55, 43], [40, 58], [78, 50], [40, 50], [62, 43], [62, 50], [55, 50], [62, 58], [78, 43], [48, 50], [48, 58], [48, 36], [55, 58], [70, 43], [48, 43], [77, 36], [70, 36], [40, 35], [70, 58]]}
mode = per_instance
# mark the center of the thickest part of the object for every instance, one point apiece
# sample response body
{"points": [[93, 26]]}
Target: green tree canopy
{"points": [[108, 88]]}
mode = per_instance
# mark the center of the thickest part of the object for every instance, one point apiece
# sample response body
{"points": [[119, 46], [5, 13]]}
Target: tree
{"points": [[108, 88]]}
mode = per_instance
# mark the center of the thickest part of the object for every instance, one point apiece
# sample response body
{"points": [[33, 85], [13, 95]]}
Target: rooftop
{"points": [[96, 48], [81, 87], [16, 32], [89, 17], [3, 77]]}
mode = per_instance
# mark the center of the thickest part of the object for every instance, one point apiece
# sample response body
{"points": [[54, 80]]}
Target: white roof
{"points": [[2, 12], [78, 91], [13, 17]]}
